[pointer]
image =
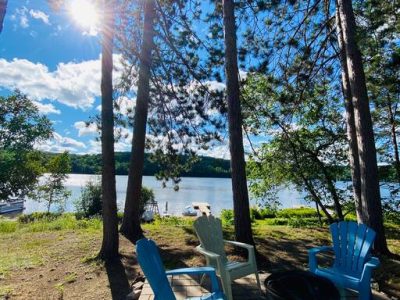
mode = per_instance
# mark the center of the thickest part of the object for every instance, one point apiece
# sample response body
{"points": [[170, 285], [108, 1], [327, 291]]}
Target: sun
{"points": [[85, 13]]}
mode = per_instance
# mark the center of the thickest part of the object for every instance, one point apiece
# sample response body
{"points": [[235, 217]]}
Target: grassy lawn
{"points": [[56, 259]]}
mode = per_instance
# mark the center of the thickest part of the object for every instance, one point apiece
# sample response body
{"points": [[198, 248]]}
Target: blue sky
{"points": [[56, 62]]}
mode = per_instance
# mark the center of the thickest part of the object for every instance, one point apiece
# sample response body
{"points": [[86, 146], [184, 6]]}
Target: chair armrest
{"points": [[312, 256], [250, 249], [368, 267], [207, 253], [239, 244], [198, 270]]}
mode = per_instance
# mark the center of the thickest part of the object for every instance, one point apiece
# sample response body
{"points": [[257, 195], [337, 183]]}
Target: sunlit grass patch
{"points": [[5, 291], [7, 226]]}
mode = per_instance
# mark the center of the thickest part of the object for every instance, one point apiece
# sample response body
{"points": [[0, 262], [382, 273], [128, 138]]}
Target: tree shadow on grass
{"points": [[118, 279], [285, 254]]}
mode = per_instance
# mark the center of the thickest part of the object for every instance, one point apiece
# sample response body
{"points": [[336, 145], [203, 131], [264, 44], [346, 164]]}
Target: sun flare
{"points": [[85, 14]]}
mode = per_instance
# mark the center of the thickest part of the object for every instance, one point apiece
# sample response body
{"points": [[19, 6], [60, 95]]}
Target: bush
{"points": [[38, 216], [89, 203], [227, 217], [277, 221], [303, 212], [255, 214], [146, 197], [268, 213]]}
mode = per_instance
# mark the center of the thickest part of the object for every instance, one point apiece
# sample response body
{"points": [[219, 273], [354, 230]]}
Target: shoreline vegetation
{"points": [[47, 255], [205, 167]]}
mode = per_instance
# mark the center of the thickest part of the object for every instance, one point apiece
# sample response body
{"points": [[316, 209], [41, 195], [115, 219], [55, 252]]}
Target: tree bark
{"points": [[370, 192], [241, 207], [131, 222], [110, 244], [3, 10], [350, 122]]}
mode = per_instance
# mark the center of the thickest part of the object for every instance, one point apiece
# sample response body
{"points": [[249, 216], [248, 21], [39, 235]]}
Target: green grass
{"points": [[5, 291], [28, 244]]}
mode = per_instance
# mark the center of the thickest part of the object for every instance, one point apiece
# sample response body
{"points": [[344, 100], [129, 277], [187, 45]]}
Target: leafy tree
{"points": [[21, 127], [52, 190], [304, 153], [89, 203]]}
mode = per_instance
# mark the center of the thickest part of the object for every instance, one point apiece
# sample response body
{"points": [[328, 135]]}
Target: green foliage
{"points": [[52, 190], [62, 222], [202, 166], [227, 217], [304, 212], [89, 203], [261, 214], [308, 139], [173, 220], [146, 196], [21, 126], [38, 216], [7, 226]]}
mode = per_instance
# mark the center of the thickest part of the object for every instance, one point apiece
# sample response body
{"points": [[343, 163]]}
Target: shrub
{"points": [[303, 212], [146, 197], [89, 203], [268, 213], [38, 216], [255, 214], [174, 221], [227, 217]]}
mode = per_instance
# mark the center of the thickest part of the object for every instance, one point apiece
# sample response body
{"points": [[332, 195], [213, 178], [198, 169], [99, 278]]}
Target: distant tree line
{"points": [[203, 167]]}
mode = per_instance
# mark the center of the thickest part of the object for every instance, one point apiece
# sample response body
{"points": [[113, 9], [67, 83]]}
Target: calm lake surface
{"points": [[216, 191]]}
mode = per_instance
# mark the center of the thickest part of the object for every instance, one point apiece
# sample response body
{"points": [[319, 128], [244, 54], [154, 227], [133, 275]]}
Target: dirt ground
{"points": [[62, 264]]}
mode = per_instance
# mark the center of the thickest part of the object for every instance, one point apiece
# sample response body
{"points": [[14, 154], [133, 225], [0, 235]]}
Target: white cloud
{"points": [[60, 144], [73, 84], [39, 15], [84, 129], [126, 105], [46, 108], [21, 17]]}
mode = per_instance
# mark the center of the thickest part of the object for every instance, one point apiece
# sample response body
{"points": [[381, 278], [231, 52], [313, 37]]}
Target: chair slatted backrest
{"points": [[209, 232], [152, 266], [352, 245]]}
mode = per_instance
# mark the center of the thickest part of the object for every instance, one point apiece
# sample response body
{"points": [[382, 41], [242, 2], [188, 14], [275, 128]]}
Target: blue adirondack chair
{"points": [[353, 262], [152, 266]]}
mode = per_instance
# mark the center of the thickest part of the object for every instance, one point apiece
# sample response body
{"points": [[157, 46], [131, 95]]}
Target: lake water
{"points": [[216, 191]]}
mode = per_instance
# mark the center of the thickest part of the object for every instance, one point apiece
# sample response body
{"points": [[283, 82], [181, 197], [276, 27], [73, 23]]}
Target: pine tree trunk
{"points": [[350, 123], [370, 194], [131, 222], [3, 10], [241, 207], [109, 247]]}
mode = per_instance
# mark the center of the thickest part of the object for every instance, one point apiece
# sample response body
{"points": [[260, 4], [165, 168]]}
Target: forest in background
{"points": [[205, 166]]}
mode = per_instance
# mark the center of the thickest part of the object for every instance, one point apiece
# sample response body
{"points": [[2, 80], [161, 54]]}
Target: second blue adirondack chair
{"points": [[152, 266], [353, 264]]}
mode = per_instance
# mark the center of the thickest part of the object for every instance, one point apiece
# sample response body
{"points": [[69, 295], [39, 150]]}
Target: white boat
{"points": [[7, 207], [189, 212]]}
